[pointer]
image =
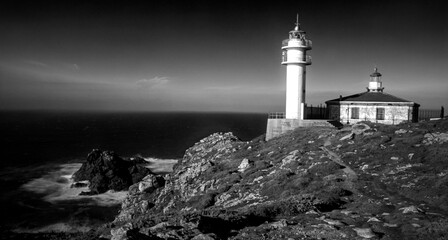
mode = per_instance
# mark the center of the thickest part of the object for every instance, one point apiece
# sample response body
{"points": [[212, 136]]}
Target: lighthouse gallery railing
{"points": [[301, 43]]}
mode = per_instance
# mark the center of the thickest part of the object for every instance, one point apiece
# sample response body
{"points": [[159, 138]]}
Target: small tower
{"points": [[375, 84], [294, 57]]}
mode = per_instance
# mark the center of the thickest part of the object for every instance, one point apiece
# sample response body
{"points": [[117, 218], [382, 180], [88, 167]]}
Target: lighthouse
{"points": [[295, 58]]}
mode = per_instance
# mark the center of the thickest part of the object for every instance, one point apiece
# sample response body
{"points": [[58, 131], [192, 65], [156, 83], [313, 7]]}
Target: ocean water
{"points": [[41, 150]]}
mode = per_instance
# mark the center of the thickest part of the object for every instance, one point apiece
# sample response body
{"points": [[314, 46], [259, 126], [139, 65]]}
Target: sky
{"points": [[218, 56]]}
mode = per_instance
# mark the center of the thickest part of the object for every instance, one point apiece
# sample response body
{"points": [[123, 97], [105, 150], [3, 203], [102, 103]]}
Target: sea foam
{"points": [[56, 187]]}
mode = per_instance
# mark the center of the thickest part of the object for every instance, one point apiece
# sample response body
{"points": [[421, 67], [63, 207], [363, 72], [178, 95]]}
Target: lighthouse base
{"points": [[277, 127]]}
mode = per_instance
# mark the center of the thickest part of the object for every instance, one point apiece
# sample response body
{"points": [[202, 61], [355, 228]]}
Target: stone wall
{"points": [[276, 127]]}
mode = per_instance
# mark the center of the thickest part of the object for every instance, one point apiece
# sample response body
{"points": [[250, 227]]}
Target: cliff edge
{"points": [[366, 181]]}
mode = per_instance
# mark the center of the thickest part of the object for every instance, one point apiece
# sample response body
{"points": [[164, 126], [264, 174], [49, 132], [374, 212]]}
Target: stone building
{"points": [[373, 105]]}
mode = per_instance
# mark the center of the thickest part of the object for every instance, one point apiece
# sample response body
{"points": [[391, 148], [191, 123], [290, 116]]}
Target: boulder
{"points": [[431, 138], [359, 128], [244, 165], [364, 232], [105, 170], [151, 183]]}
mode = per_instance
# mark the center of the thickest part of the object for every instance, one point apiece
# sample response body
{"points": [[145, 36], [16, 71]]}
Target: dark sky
{"points": [[214, 55]]}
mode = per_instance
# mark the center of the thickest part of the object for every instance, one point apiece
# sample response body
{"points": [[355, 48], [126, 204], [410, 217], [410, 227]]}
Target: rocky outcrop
{"points": [[381, 182], [105, 170]]}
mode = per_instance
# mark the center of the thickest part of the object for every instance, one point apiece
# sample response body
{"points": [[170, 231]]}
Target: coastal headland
{"points": [[365, 181]]}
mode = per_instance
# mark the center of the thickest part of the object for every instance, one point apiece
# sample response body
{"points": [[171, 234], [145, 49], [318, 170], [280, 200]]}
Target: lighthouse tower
{"points": [[294, 57]]}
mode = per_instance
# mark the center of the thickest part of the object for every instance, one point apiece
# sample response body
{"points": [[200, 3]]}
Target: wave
{"points": [[57, 227], [56, 187], [160, 166], [69, 211]]}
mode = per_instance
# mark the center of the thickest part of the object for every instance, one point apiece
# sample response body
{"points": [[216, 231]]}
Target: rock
{"points": [[151, 183], [203, 237], [346, 212], [346, 137], [187, 181], [159, 226], [359, 128], [411, 209], [431, 138], [401, 131], [373, 219], [333, 222], [279, 224], [244, 165], [105, 170], [312, 212], [390, 225], [120, 233], [364, 232], [292, 156]]}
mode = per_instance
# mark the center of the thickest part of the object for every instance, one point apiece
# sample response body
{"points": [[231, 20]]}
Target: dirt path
{"points": [[335, 158]]}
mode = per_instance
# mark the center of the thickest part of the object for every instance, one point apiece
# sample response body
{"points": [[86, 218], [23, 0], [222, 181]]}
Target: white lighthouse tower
{"points": [[294, 57]]}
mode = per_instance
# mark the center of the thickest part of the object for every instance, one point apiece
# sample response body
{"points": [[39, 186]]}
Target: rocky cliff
{"points": [[365, 181]]}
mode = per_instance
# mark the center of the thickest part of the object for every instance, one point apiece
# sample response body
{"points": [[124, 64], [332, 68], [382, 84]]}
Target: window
{"points": [[284, 56], [355, 113], [380, 114]]}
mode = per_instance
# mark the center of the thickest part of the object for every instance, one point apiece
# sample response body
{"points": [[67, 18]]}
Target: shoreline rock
{"points": [[105, 170]]}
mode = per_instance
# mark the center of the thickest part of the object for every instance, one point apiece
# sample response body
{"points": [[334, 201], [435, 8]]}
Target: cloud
{"points": [[152, 83], [35, 63], [222, 88], [74, 67]]}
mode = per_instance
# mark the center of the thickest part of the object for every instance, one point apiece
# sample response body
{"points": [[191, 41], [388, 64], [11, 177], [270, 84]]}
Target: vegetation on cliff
{"points": [[362, 181]]}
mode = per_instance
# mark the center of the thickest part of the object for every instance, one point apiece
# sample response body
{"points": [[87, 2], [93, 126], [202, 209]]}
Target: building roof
{"points": [[369, 97]]}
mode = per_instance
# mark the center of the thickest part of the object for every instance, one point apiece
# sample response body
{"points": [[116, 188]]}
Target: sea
{"points": [[42, 149]]}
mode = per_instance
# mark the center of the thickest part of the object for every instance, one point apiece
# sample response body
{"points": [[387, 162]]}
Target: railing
{"points": [[298, 43], [426, 114], [276, 115], [318, 112]]}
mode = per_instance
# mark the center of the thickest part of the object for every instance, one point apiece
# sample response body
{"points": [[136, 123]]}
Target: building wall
{"points": [[334, 112], [393, 113]]}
